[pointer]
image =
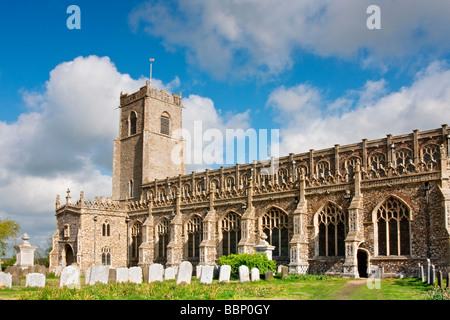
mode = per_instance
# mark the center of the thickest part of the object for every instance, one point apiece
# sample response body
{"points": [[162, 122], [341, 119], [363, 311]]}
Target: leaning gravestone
{"points": [[254, 274], [169, 273], [268, 275], [122, 275], [99, 274], [284, 272], [207, 274], [184, 273], [135, 275], [70, 277], [5, 280], [224, 274], [244, 274], [155, 273], [35, 280]]}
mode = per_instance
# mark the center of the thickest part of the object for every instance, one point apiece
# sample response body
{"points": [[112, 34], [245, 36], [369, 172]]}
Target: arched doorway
{"points": [[363, 263], [69, 255]]}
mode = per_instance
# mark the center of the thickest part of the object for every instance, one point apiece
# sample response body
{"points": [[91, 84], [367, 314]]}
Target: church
{"points": [[343, 211]]}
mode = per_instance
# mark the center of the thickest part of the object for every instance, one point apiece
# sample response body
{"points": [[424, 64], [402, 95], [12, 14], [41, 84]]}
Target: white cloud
{"points": [[248, 37], [371, 112]]}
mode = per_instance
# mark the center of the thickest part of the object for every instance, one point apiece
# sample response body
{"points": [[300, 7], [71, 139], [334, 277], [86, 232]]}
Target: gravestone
{"points": [[99, 274], [87, 275], [5, 280], [145, 274], [268, 275], [198, 271], [254, 274], [184, 273], [421, 274], [169, 273], [35, 280], [432, 274], [112, 275], [244, 274], [135, 275], [207, 274], [428, 269], [439, 278], [155, 272], [284, 272], [70, 277], [224, 273], [122, 275]]}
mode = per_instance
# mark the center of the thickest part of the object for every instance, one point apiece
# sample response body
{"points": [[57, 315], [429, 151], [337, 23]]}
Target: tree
{"points": [[8, 229]]}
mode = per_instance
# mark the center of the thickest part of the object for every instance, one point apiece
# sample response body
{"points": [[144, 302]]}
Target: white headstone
{"points": [[70, 277], [135, 275], [122, 275], [5, 279], [169, 273], [87, 275], [207, 274], [224, 274], [99, 274], [184, 273], [198, 271], [255, 274], [35, 280], [244, 274], [155, 272]]}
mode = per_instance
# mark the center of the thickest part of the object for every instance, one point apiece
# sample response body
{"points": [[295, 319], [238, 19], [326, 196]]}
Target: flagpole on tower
{"points": [[151, 60]]}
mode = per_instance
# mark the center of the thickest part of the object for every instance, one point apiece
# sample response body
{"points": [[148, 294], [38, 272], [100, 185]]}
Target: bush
{"points": [[250, 260]]}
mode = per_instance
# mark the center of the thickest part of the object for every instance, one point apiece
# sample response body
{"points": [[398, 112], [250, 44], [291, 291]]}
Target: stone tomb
{"points": [[35, 280], [155, 273], [70, 277], [207, 274], [184, 273], [224, 274], [244, 274]]}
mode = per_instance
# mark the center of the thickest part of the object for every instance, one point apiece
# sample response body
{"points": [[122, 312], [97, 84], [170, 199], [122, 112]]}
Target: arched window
{"points": [[431, 155], [231, 233], [163, 237], [106, 229], [332, 226], [275, 226], [195, 236], [136, 239], [392, 228], [165, 124], [106, 256], [133, 123]]}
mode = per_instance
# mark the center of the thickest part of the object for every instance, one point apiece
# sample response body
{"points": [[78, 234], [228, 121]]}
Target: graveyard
{"points": [[186, 282]]}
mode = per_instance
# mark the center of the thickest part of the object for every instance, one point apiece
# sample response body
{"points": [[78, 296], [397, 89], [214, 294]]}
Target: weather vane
{"points": [[151, 60]]}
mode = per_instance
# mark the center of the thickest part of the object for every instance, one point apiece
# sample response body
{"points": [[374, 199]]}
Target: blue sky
{"points": [[311, 69]]}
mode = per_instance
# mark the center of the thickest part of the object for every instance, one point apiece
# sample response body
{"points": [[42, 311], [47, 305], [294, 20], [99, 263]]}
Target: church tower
{"points": [[150, 145]]}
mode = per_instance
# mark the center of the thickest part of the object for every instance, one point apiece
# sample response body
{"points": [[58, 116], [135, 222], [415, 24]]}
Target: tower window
{"points": [[133, 122], [165, 125]]}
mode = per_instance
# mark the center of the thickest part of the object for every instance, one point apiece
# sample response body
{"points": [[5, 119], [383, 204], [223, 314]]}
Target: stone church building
{"points": [[338, 211]]}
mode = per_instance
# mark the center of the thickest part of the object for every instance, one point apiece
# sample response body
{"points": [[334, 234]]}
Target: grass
{"points": [[294, 287]]}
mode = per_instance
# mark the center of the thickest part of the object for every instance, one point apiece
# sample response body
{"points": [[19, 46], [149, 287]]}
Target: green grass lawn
{"points": [[295, 287]]}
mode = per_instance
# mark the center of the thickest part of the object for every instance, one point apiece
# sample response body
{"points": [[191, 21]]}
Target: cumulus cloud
{"points": [[309, 120], [264, 37]]}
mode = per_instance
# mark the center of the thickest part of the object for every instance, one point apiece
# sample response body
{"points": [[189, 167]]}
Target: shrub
{"points": [[250, 260]]}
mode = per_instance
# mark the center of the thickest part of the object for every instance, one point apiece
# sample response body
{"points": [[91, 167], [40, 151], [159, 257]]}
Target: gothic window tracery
{"points": [[163, 237], [393, 224], [231, 233], [275, 226], [106, 229], [195, 236], [431, 155], [106, 256], [332, 226], [136, 239]]}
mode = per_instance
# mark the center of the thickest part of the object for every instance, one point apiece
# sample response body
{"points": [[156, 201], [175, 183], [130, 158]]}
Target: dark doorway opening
{"points": [[69, 255], [362, 263]]}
